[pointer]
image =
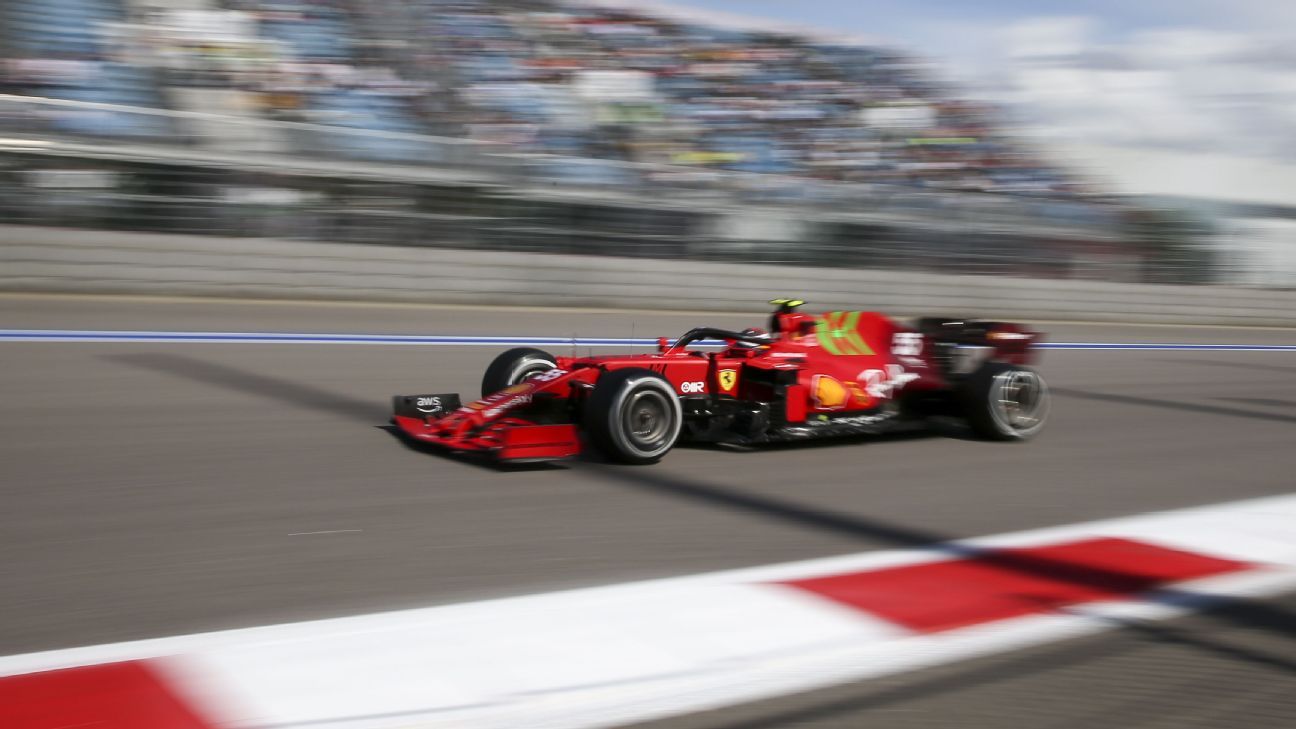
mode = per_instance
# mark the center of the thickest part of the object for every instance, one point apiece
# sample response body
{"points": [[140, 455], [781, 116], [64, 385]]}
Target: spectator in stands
{"points": [[550, 77]]}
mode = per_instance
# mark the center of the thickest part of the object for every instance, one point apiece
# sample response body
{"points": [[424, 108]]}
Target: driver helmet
{"points": [[752, 332]]}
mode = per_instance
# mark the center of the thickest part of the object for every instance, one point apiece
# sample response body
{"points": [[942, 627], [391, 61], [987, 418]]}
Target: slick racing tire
{"points": [[633, 416], [1005, 402], [514, 366]]}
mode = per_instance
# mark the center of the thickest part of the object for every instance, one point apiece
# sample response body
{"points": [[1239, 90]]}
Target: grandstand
{"points": [[544, 77], [526, 124]]}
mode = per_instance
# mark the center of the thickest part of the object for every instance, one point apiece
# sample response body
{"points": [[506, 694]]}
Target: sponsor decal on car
{"points": [[512, 402], [828, 392], [823, 421], [868, 387], [907, 344], [692, 387], [428, 404], [837, 334], [512, 396], [883, 384], [547, 375]]}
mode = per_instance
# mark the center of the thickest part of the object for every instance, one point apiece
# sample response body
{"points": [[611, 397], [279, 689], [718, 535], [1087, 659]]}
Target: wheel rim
{"points": [[647, 420], [1020, 402], [529, 371]]}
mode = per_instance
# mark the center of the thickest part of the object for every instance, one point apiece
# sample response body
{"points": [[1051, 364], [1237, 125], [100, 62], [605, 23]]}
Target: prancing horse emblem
{"points": [[727, 379]]}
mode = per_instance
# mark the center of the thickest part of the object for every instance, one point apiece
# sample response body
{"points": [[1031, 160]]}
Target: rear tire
{"points": [[633, 416], [514, 366], [1005, 402]]}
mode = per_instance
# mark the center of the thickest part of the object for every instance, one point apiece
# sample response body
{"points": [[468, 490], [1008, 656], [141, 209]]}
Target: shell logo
{"points": [[828, 393]]}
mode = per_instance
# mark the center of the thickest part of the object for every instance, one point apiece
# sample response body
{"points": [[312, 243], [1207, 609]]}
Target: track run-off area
{"points": [[173, 467]]}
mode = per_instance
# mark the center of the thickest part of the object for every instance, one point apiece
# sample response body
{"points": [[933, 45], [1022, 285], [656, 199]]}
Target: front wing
{"points": [[425, 419]]}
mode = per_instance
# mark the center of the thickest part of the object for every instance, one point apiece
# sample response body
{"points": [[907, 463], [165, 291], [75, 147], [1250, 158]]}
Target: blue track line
{"points": [[1156, 346], [72, 335], [161, 337]]}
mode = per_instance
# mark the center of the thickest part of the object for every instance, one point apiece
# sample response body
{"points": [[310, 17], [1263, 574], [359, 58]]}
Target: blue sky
{"points": [[930, 24], [1196, 75]]}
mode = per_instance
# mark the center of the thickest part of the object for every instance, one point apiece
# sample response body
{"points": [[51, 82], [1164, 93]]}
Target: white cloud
{"points": [[1196, 89], [1172, 46], [1049, 37]]}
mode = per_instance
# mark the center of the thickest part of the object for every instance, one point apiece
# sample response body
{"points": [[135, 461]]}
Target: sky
{"points": [[1185, 75]]}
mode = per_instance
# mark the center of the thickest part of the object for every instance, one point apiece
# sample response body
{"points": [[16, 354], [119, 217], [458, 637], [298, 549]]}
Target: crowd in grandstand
{"points": [[542, 75]]}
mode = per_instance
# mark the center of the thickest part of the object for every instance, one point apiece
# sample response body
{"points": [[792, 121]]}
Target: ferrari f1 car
{"points": [[835, 374]]}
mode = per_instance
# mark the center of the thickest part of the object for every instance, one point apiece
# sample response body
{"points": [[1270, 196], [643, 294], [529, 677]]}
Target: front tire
{"points": [[1006, 402], [514, 366], [633, 416]]}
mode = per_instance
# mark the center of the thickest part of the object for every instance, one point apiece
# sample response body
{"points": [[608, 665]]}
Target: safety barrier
{"points": [[61, 260]]}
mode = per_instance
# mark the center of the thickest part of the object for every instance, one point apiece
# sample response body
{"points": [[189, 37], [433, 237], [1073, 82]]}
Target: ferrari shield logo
{"points": [[727, 379]]}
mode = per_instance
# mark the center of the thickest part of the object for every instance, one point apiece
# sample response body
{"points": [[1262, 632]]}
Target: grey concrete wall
{"points": [[58, 260]]}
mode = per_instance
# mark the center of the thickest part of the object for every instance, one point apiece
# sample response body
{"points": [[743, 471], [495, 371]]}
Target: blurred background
{"points": [[1130, 145], [1071, 164]]}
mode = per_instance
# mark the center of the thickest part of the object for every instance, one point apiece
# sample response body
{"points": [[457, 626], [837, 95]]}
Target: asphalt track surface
{"points": [[156, 489]]}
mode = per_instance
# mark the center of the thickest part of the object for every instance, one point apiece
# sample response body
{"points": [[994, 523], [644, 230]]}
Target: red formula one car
{"points": [[839, 373]]}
